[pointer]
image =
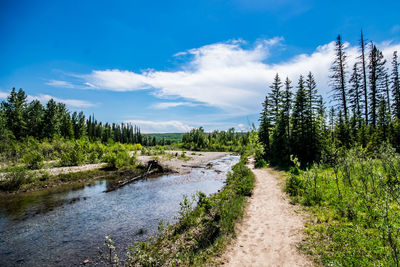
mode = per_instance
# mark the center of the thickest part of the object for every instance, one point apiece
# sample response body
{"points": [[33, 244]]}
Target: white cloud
{"points": [[147, 126], [76, 103], [231, 76], [116, 80], [58, 83], [166, 105], [3, 95]]}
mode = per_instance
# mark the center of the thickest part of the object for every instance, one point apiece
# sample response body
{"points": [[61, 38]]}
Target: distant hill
{"points": [[172, 137]]}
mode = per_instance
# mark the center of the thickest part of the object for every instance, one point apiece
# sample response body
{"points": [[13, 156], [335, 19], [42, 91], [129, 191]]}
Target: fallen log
{"points": [[153, 167]]}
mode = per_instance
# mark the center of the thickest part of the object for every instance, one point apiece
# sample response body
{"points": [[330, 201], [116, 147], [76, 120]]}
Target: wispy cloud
{"points": [[76, 103], [232, 76], [166, 105], [58, 83], [147, 126]]}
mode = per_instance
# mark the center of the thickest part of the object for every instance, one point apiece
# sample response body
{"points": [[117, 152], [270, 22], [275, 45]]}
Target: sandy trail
{"points": [[270, 229]]}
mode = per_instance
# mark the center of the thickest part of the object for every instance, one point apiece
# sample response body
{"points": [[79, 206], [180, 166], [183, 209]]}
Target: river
{"points": [[65, 226]]}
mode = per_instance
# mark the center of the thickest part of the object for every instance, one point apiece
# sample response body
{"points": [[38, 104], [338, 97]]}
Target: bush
{"points": [[14, 179], [116, 160], [73, 157], [33, 160], [261, 163]]}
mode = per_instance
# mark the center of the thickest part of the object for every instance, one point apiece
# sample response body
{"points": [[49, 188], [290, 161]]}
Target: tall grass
{"points": [[355, 197]]}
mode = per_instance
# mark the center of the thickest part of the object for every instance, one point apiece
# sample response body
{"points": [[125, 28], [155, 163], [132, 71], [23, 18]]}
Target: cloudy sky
{"points": [[168, 66]]}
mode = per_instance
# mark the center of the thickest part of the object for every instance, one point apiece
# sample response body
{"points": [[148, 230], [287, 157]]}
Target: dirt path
{"points": [[270, 230]]}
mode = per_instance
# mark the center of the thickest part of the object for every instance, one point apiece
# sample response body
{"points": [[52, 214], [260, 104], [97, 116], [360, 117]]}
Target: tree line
{"points": [[20, 119], [228, 140], [366, 109]]}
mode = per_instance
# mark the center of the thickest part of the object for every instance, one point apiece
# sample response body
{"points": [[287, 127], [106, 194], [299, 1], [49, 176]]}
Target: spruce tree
{"points": [[265, 127], [275, 98], [355, 92], [287, 105], [15, 113], [338, 77], [395, 86], [51, 122], [364, 77], [299, 123], [376, 80], [35, 116]]}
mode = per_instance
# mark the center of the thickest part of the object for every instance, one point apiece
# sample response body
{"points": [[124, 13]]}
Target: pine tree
{"points": [[78, 123], [299, 123], [355, 92], [15, 112], [383, 121], [395, 86], [265, 128], [275, 98], [387, 93], [376, 80], [338, 79], [287, 105], [311, 114], [51, 122], [364, 77], [35, 116]]}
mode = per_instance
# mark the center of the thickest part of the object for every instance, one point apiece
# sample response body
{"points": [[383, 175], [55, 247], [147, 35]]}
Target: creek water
{"points": [[65, 226]]}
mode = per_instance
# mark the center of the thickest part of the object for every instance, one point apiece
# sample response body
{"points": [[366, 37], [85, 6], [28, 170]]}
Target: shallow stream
{"points": [[65, 226]]}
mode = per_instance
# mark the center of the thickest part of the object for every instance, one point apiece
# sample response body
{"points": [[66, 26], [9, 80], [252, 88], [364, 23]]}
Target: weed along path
{"points": [[271, 229]]}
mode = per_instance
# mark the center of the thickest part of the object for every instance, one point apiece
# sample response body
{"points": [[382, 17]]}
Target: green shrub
{"points": [[13, 179], [73, 157], [33, 160], [261, 163], [116, 160]]}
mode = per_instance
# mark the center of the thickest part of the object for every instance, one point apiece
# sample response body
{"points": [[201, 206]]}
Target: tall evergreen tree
{"points": [[364, 76], [35, 116], [287, 105], [355, 95], [51, 122], [275, 98], [299, 124], [338, 77], [376, 80], [387, 93], [395, 86], [66, 127], [383, 121], [15, 112], [265, 128]]}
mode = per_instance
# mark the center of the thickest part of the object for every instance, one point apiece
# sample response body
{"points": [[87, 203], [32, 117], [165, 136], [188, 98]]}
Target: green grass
{"points": [[204, 227], [354, 205]]}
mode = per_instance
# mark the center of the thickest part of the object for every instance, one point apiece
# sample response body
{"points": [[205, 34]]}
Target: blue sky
{"points": [[168, 66]]}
